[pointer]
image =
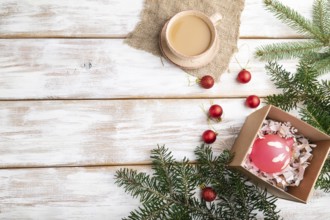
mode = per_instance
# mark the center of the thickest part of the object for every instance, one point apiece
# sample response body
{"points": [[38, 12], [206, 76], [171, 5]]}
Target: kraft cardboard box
{"points": [[248, 134]]}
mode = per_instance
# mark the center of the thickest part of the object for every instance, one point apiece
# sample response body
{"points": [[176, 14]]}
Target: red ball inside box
{"points": [[271, 153]]}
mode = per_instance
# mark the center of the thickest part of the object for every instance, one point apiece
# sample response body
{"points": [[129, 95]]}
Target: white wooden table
{"points": [[77, 104]]}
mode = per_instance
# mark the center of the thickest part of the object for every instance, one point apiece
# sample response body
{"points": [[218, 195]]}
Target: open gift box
{"points": [[248, 134]]}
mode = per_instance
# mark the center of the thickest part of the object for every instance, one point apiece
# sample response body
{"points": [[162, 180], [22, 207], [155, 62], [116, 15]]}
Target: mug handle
{"points": [[215, 18]]}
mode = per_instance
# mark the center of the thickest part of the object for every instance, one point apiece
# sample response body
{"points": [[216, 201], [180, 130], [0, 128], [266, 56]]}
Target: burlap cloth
{"points": [[156, 12]]}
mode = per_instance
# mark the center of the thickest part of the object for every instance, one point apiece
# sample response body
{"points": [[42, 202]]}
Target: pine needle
{"points": [[321, 16], [293, 19], [323, 65], [318, 30], [170, 193], [313, 97], [287, 50], [324, 180]]}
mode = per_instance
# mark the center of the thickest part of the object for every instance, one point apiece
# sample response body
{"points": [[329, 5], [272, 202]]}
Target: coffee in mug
{"points": [[190, 35], [190, 39]]}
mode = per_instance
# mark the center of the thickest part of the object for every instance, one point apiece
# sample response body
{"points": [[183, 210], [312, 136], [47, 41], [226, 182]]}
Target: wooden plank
{"points": [[111, 18], [257, 22], [74, 18], [78, 133], [77, 193], [90, 193], [89, 69]]}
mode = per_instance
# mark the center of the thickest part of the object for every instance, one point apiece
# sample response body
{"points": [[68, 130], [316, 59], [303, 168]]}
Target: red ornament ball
{"points": [[206, 82], [208, 194], [272, 153], [215, 111], [252, 101], [209, 136], [289, 141], [244, 76]]}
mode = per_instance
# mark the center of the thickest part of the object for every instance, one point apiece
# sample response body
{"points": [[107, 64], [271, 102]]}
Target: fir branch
{"points": [[162, 164], [152, 194], [320, 61], [312, 113], [313, 96], [316, 110], [324, 92], [138, 184], [287, 50], [297, 88], [186, 181], [150, 210], [237, 199], [301, 88], [283, 101], [305, 78], [281, 78], [324, 179], [284, 80], [207, 164], [317, 48], [323, 65], [321, 16], [294, 19]]}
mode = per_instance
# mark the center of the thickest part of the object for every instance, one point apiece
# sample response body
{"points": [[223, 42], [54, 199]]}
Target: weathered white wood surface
{"points": [[99, 68], [108, 132], [111, 18], [53, 133], [90, 193]]}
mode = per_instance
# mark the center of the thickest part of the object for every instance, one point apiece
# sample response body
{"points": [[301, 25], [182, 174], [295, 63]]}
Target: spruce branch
{"points": [[323, 65], [293, 86], [317, 108], [301, 88], [162, 164], [321, 61], [316, 47], [321, 16], [294, 19], [324, 179], [312, 96], [287, 50], [237, 198], [312, 113], [138, 184]]}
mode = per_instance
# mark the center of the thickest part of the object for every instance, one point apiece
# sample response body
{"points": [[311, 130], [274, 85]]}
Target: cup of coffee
{"points": [[190, 38]]}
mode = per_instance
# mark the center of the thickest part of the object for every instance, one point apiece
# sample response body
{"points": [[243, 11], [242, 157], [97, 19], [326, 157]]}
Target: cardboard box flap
{"points": [[270, 188], [247, 135], [307, 130], [305, 189]]}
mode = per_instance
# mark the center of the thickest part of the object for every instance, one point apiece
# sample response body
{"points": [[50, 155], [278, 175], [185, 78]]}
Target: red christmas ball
{"points": [[209, 136], [289, 141], [206, 82], [208, 194], [244, 76], [215, 111], [252, 101], [271, 154]]}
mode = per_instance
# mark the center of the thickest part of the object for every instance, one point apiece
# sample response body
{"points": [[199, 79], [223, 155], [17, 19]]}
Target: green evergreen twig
{"points": [[324, 180], [294, 19], [170, 193], [321, 15], [287, 50], [317, 32], [311, 96]]}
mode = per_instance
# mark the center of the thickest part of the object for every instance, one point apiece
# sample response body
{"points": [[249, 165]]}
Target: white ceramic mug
{"points": [[210, 21]]}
